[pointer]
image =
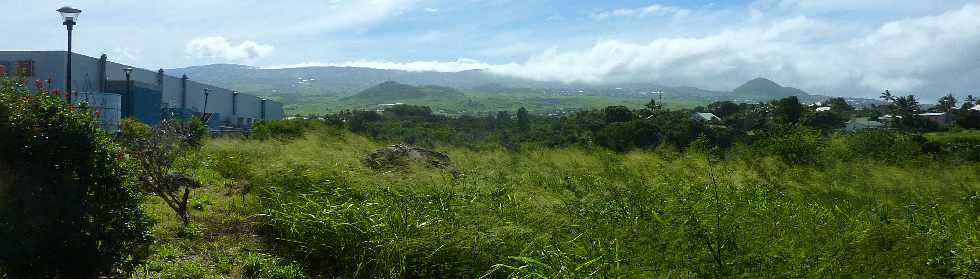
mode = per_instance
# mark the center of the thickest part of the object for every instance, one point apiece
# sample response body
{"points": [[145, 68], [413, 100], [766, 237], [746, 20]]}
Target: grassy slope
{"points": [[957, 136], [572, 212]]}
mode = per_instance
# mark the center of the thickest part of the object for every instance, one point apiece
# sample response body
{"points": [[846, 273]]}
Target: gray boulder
{"points": [[400, 156]]}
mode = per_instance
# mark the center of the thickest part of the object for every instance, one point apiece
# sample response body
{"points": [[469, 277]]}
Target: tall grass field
{"points": [[581, 212]]}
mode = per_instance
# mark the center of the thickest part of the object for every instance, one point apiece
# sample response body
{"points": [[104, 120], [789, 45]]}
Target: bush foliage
{"points": [[68, 206]]}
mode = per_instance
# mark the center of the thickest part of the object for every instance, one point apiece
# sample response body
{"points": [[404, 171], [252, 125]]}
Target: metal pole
{"points": [[68, 69], [205, 110], [129, 95]]}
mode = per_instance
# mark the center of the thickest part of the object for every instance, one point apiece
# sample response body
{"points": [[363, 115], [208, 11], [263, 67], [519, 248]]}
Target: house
{"points": [[889, 118], [858, 124], [941, 118], [705, 117]]}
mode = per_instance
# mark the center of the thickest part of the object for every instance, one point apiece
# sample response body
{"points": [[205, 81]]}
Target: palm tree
{"points": [[905, 106], [887, 96], [946, 103]]}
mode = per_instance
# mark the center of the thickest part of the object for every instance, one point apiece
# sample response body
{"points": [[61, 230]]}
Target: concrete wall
{"points": [[248, 106], [170, 96], [273, 110]]}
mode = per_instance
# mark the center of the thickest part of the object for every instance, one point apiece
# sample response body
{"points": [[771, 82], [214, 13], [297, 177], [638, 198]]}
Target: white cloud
{"points": [[461, 64], [911, 54], [220, 48], [431, 10], [652, 10]]}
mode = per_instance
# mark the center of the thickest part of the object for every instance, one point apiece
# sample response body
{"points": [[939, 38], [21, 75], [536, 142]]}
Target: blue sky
{"points": [[835, 47]]}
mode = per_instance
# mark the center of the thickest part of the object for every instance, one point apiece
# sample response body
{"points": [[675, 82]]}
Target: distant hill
{"points": [[334, 81], [764, 88], [391, 92], [344, 87]]}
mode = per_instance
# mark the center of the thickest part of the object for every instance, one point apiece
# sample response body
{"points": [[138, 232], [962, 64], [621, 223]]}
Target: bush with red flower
{"points": [[68, 205]]}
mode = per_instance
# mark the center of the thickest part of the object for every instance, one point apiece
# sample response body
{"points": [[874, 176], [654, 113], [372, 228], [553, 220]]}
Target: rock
{"points": [[399, 156]]}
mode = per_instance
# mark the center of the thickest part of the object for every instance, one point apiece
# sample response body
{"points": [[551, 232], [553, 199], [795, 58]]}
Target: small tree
{"points": [[946, 103], [724, 109], [839, 105], [523, 120], [156, 154], [788, 110], [616, 114]]}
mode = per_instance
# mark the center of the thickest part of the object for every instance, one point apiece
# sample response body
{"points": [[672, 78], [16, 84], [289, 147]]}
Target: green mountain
{"points": [[391, 92], [325, 89], [764, 88]]}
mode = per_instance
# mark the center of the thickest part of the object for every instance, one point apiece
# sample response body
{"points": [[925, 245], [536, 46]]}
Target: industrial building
{"points": [[149, 97]]}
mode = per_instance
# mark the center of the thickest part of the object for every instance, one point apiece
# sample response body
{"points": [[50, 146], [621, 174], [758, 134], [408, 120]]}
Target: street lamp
{"points": [[205, 110], [129, 91], [69, 15]]}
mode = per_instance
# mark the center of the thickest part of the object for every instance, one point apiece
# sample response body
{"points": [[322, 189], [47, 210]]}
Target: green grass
{"points": [[222, 241], [954, 136], [576, 212]]}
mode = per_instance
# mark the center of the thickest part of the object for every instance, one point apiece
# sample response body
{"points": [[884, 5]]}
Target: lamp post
{"points": [[129, 91], [69, 15], [205, 110]]}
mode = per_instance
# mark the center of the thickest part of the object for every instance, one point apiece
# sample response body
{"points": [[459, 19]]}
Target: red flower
{"points": [[56, 92], [39, 84]]}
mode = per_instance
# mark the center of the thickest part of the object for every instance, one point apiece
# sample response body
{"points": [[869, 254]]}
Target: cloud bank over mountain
{"points": [[777, 39], [908, 54]]}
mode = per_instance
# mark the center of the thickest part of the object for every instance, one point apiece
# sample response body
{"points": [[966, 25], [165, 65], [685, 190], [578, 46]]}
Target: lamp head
{"points": [[69, 14]]}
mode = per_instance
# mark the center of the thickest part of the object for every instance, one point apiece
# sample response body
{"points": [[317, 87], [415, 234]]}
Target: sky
{"points": [[834, 47]]}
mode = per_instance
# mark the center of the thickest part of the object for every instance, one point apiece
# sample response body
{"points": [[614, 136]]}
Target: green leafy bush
{"points": [[194, 128], [795, 145], [132, 129], [878, 144], [283, 129], [68, 207]]}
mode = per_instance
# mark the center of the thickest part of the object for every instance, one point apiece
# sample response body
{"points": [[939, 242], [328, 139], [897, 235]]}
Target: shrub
{"points": [[156, 154], [131, 129], [880, 145], [68, 207], [194, 128], [795, 145], [283, 129]]}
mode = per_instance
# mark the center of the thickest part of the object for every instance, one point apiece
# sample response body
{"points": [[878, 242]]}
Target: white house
{"points": [[858, 124], [705, 117], [941, 118]]}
